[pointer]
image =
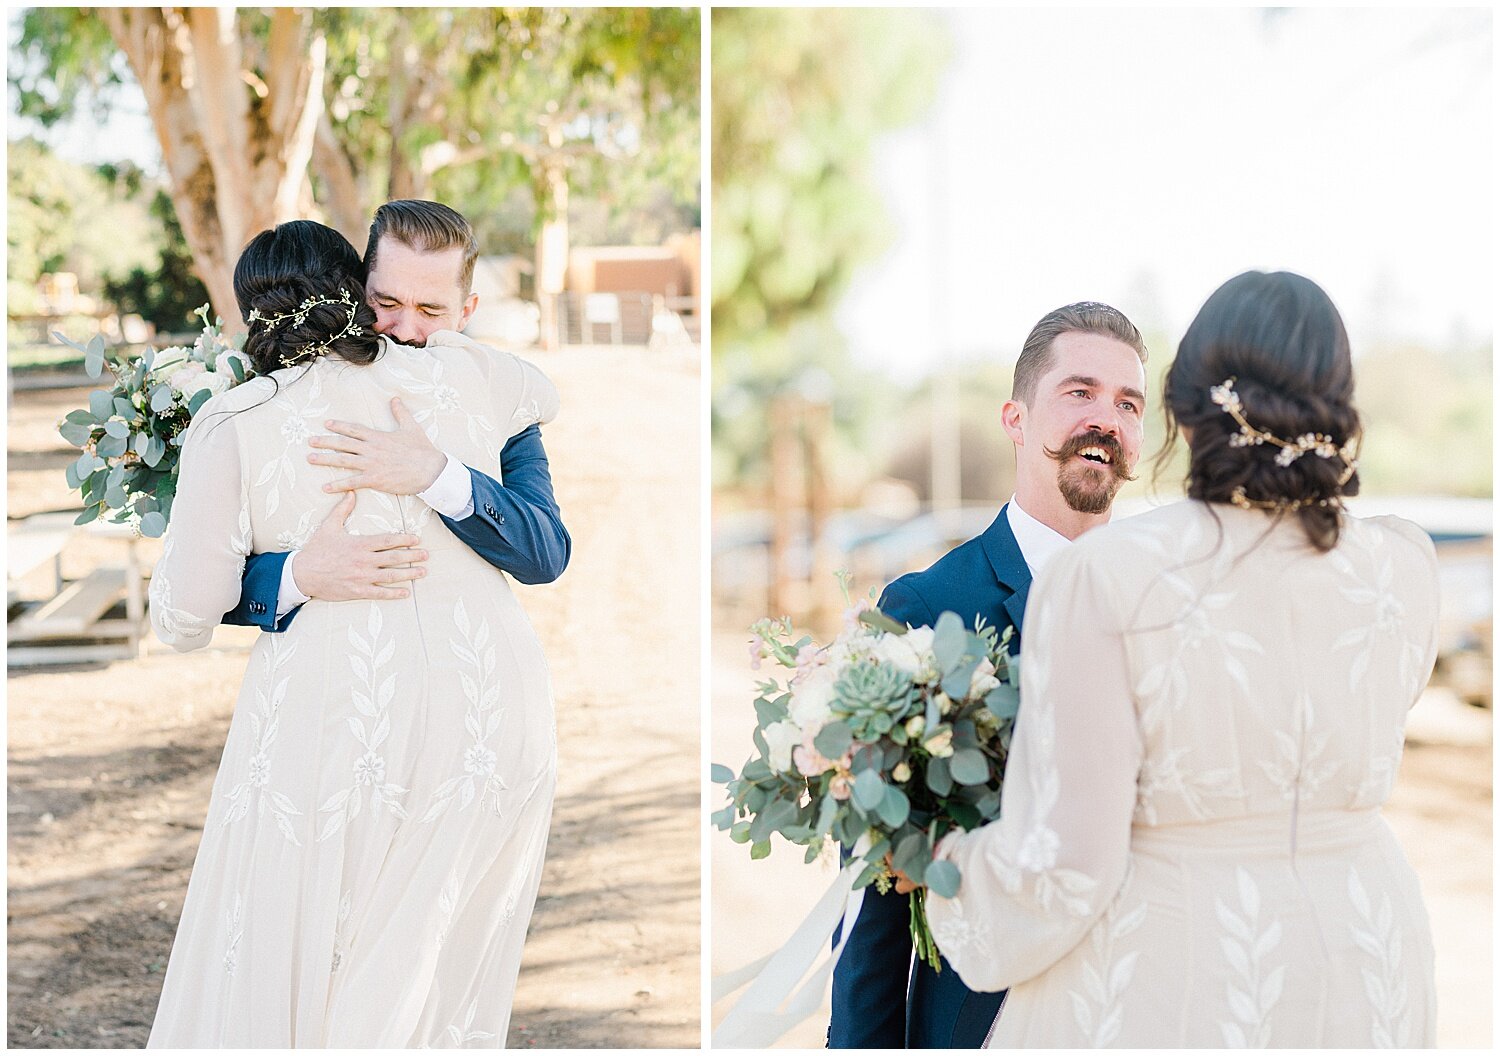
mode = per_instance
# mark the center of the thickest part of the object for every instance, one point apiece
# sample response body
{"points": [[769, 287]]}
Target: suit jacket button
{"points": [[490, 510]]}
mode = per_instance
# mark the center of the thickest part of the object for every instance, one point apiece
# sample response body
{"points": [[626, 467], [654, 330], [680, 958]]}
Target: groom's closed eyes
{"points": [[389, 303]]}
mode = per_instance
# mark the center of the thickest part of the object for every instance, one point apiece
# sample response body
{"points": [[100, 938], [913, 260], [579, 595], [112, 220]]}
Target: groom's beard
{"points": [[1089, 487]]}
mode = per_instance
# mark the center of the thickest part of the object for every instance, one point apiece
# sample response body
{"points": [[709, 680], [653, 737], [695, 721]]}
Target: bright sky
{"points": [[1144, 157]]}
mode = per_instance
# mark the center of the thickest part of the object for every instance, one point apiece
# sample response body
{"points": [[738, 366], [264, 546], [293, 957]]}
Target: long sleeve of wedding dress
{"points": [[197, 579], [1035, 881]]}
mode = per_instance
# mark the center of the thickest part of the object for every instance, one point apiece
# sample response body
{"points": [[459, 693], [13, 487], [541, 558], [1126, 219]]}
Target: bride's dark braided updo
{"points": [[1282, 341], [284, 268]]}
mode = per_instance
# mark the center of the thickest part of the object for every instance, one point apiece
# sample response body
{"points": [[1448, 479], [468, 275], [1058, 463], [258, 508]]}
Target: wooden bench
{"points": [[72, 626]]}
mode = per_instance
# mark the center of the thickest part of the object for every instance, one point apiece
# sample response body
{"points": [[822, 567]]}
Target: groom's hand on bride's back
{"points": [[338, 566], [400, 461]]}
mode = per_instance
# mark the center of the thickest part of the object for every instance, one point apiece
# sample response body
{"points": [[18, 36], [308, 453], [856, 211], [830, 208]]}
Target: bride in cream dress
{"points": [[376, 830], [1190, 850]]}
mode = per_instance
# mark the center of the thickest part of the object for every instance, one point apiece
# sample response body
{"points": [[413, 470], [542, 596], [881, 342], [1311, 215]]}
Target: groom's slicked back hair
{"points": [[428, 227], [1085, 317]]}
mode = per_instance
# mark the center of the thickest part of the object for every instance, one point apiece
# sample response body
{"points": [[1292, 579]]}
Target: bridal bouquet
{"points": [[131, 433], [889, 735]]}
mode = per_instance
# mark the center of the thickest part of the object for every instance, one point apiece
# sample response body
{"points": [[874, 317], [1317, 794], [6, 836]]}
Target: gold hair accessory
{"points": [[1319, 444], [298, 316]]}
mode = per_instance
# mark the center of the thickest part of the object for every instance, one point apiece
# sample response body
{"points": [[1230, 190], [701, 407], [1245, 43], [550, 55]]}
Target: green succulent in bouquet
{"points": [[130, 434], [884, 740]]}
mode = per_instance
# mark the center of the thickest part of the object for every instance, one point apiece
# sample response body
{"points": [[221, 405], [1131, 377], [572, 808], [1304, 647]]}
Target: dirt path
{"points": [[1441, 812], [110, 767]]}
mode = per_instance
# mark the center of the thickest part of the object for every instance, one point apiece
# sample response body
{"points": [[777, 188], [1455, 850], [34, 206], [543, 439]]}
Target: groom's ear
{"points": [[470, 303], [1012, 417]]}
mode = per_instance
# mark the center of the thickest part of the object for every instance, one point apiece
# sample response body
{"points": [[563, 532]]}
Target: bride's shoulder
{"points": [[1392, 533]]}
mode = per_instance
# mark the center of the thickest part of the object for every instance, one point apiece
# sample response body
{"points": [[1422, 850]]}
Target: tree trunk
{"points": [[344, 201], [237, 166], [551, 246]]}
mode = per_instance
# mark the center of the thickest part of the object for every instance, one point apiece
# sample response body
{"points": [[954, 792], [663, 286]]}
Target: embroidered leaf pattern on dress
{"points": [[475, 650], [374, 689], [1253, 988], [265, 724], [1379, 939]]}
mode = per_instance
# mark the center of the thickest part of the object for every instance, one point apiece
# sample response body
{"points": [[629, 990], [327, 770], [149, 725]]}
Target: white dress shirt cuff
{"points": [[452, 494], [289, 596]]}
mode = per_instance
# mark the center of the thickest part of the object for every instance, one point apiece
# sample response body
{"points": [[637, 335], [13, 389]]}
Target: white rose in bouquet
{"points": [[983, 680], [781, 738], [214, 382], [168, 361], [185, 379], [812, 695], [894, 649], [221, 365]]}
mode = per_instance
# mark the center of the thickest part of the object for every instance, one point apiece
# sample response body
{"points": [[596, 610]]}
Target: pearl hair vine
{"points": [[298, 315], [1319, 444]]}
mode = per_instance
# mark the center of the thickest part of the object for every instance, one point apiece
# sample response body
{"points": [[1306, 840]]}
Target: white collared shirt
{"points": [[1039, 544]]}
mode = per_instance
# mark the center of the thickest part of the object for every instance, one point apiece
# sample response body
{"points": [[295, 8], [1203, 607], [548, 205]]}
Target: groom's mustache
{"points": [[1113, 452]]}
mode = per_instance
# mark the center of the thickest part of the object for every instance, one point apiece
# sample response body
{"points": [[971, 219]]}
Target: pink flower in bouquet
{"points": [[811, 762], [841, 786], [851, 614], [757, 654]]}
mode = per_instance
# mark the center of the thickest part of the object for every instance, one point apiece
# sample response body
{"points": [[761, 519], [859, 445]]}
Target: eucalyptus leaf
{"points": [[148, 357], [1004, 700], [115, 496], [739, 832], [161, 398], [155, 449], [723, 819], [237, 368], [869, 790], [111, 447], [909, 850], [124, 408], [81, 418], [93, 357], [834, 739], [720, 774], [881, 622], [895, 807], [101, 404], [949, 640], [89, 514], [76, 434], [942, 878], [939, 777], [66, 340], [969, 767], [956, 681], [813, 850], [200, 397], [70, 473], [760, 849], [768, 712], [153, 525], [871, 873]]}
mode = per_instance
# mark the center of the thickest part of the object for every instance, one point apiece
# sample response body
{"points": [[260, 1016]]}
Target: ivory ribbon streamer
{"points": [[770, 1007]]}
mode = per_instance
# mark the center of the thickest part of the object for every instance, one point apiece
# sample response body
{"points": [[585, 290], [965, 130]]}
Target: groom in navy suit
{"points": [[419, 265], [1075, 416]]}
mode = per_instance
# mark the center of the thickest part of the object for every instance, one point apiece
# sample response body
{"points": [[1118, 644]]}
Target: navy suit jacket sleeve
{"points": [[870, 980], [515, 526]]}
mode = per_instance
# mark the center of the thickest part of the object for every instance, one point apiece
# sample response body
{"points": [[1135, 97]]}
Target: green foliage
{"points": [[468, 105], [68, 217], [799, 98], [168, 293]]}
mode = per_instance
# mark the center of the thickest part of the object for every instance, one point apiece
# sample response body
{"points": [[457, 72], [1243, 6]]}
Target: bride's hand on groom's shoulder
{"points": [[338, 566], [401, 461]]}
